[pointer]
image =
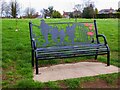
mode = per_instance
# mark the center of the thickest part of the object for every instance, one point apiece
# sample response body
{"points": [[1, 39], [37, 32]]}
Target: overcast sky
{"points": [[65, 5]]}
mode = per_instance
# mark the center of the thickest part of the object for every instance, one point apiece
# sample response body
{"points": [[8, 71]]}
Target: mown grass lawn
{"points": [[16, 55]]}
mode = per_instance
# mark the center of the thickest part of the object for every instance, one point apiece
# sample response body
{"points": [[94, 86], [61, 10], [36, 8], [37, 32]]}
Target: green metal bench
{"points": [[66, 39]]}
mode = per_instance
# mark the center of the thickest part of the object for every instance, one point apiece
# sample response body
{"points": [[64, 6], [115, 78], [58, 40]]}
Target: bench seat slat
{"points": [[68, 56], [75, 50], [66, 48], [71, 53]]}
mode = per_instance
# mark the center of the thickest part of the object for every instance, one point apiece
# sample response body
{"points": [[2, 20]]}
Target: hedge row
{"points": [[116, 15]]}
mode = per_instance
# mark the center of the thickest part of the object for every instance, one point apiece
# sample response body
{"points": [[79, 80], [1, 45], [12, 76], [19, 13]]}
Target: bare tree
{"points": [[29, 12], [78, 10], [51, 10], [42, 12], [4, 9], [45, 12], [7, 11], [89, 3], [88, 11], [14, 8], [79, 7]]}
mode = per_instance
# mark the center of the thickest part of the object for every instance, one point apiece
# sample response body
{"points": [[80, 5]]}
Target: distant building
{"points": [[66, 14], [107, 11], [39, 16], [72, 14]]}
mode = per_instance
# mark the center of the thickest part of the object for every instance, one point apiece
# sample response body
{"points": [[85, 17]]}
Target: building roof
{"points": [[106, 11]]}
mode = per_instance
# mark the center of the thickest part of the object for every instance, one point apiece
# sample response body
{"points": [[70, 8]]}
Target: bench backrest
{"points": [[65, 33]]}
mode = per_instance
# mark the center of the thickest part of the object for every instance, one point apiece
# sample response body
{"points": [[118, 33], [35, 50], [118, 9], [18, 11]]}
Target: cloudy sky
{"points": [[65, 5]]}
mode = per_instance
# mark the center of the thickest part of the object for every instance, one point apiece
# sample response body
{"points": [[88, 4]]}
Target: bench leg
{"points": [[96, 57], [36, 61], [32, 58], [96, 54], [108, 58]]}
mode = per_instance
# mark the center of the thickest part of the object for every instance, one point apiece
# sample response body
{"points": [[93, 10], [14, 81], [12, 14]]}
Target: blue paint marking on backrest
{"points": [[44, 30], [62, 36], [70, 30], [57, 34]]}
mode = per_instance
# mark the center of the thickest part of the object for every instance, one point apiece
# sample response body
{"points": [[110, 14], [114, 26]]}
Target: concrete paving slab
{"points": [[73, 70]]}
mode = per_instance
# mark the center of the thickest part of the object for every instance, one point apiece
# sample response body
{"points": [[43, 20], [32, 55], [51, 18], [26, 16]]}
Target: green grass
{"points": [[16, 54]]}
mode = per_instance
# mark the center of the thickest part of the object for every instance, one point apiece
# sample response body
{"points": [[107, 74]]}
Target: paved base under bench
{"points": [[73, 70]]}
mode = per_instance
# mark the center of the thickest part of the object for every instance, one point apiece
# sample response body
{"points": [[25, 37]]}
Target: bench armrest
{"points": [[105, 40], [33, 44]]}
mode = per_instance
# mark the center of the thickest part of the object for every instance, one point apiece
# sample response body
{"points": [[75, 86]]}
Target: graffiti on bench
{"points": [[58, 34]]}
